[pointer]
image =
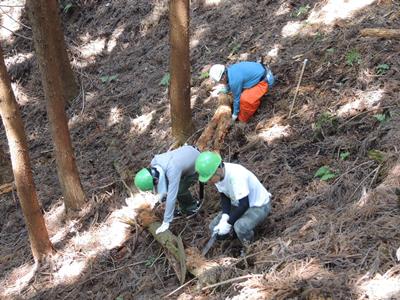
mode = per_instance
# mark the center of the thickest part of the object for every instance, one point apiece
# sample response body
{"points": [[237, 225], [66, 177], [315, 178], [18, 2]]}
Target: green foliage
{"points": [[108, 79], [302, 10], [235, 47], [165, 80], [376, 155], [382, 69], [353, 57], [326, 118], [67, 8], [119, 298], [331, 50], [380, 117], [204, 75], [324, 173], [319, 36], [150, 261], [344, 155]]}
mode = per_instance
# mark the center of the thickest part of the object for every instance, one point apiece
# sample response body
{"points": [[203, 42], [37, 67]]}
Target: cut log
{"points": [[213, 135], [189, 260], [381, 33]]}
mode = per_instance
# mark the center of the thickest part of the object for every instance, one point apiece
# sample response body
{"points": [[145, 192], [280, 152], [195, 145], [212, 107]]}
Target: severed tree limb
{"points": [[381, 32], [213, 135], [186, 260]]}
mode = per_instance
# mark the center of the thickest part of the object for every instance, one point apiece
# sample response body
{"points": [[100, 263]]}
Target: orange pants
{"points": [[250, 100]]}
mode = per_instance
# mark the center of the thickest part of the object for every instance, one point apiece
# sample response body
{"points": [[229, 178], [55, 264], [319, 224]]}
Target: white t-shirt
{"points": [[239, 183]]}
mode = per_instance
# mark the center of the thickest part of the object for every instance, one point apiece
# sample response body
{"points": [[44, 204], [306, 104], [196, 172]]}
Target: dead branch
{"points": [[213, 135], [381, 33]]}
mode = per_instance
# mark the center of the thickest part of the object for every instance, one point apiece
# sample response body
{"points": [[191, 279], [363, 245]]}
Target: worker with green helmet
{"points": [[170, 175], [245, 202]]}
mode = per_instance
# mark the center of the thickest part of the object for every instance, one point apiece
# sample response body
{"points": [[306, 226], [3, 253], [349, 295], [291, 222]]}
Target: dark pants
{"points": [[185, 198]]}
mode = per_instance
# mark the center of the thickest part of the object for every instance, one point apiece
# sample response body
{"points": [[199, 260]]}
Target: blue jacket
{"points": [[241, 76]]}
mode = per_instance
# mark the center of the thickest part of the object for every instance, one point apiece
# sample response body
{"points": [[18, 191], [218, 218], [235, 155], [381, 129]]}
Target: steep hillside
{"points": [[334, 239]]}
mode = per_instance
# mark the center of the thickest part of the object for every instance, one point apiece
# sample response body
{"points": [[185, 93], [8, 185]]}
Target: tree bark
{"points": [[48, 41], [185, 260], [381, 33], [38, 235], [213, 135], [179, 90]]}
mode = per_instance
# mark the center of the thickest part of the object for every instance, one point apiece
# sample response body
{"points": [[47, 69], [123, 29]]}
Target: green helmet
{"points": [[206, 165], [144, 180]]}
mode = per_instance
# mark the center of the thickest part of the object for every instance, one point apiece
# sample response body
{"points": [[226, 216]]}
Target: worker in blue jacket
{"points": [[248, 82]]}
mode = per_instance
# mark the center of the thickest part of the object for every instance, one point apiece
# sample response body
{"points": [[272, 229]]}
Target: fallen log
{"points": [[186, 260], [213, 135], [381, 33]]}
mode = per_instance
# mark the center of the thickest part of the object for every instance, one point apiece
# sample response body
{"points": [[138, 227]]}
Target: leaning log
{"points": [[381, 33], [213, 135]]}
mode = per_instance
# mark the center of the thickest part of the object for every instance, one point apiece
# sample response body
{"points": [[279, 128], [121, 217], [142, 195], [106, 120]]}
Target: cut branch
{"points": [[381, 32], [213, 135]]}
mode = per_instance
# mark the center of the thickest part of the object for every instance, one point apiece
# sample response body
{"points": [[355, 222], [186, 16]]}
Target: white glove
{"points": [[234, 117], [223, 226], [160, 197], [164, 226], [218, 89]]}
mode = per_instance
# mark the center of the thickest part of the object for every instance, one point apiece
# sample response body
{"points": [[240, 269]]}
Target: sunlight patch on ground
{"points": [[70, 270], [197, 36], [383, 287], [116, 116], [337, 9], [160, 8], [141, 123], [274, 52], [10, 18], [273, 130], [93, 48], [20, 277], [20, 95], [283, 9], [332, 11], [211, 2], [113, 39], [365, 100], [292, 28]]}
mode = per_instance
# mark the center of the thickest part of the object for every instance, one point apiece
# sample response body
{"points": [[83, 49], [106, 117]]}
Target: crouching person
{"points": [[245, 202], [170, 176]]}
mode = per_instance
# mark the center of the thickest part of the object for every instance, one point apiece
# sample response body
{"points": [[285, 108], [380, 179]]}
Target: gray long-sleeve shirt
{"points": [[176, 164]]}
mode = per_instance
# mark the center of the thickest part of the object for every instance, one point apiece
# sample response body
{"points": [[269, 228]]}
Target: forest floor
{"points": [[324, 239]]}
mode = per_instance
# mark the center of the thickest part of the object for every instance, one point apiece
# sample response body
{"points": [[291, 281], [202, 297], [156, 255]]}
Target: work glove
{"points": [[164, 226], [160, 198], [234, 117], [219, 89], [223, 226]]}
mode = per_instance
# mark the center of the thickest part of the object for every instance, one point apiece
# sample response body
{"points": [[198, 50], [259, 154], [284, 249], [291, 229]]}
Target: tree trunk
{"points": [[179, 90], [46, 35], [9, 110]]}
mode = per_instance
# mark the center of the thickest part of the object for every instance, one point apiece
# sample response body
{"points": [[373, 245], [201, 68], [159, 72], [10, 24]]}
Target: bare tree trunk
{"points": [[179, 90], [9, 110], [46, 35]]}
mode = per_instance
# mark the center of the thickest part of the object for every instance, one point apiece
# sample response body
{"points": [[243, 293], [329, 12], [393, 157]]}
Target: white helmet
{"points": [[216, 72]]}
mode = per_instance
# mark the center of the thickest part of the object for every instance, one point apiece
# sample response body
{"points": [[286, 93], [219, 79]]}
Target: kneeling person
{"points": [[245, 202]]}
